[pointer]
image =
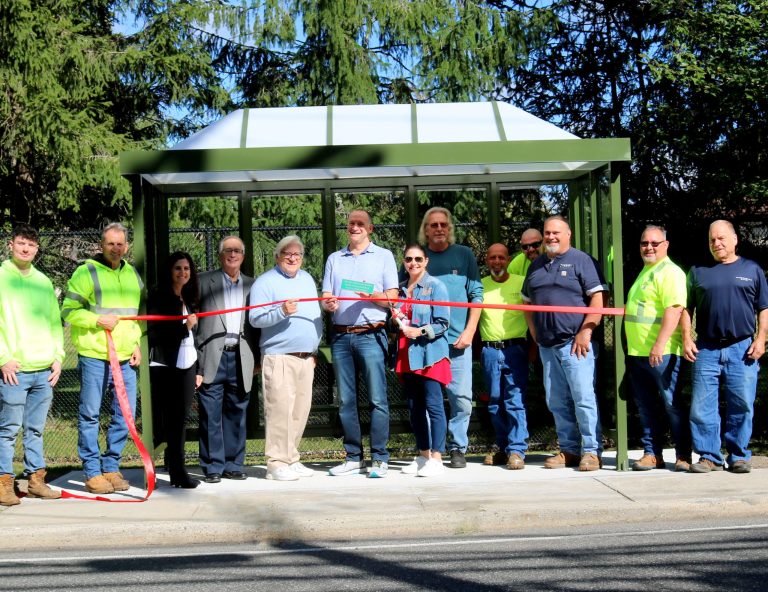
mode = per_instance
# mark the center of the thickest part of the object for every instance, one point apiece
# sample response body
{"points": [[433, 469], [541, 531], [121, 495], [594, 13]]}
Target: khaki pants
{"points": [[287, 386]]}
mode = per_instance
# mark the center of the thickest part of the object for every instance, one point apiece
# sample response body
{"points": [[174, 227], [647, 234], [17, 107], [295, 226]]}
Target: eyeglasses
{"points": [[438, 224], [292, 255], [233, 251], [417, 259], [530, 246], [653, 244]]}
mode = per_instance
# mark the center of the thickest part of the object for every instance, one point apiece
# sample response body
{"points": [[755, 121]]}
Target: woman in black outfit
{"points": [[173, 358]]}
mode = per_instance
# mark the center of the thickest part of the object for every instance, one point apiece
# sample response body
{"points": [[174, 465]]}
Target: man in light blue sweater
{"points": [[290, 334]]}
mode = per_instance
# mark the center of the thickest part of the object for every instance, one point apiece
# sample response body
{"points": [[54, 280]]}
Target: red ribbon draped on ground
{"points": [[122, 396]]}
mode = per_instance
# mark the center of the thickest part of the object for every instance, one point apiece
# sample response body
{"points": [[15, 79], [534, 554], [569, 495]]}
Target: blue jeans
{"points": [[366, 354], [95, 379], [569, 383], [222, 418], [506, 375], [648, 384], [739, 377], [24, 405], [425, 403], [459, 392]]}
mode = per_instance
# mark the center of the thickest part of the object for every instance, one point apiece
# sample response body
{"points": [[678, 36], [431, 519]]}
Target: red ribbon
{"points": [[122, 396]]}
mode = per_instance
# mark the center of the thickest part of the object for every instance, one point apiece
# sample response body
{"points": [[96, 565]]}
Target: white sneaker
{"points": [[379, 469], [431, 468], [348, 467], [282, 473], [301, 470], [414, 466]]}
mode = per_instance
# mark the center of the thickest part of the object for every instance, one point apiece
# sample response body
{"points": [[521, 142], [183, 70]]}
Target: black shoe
{"points": [[457, 459], [186, 482], [234, 475], [213, 478]]}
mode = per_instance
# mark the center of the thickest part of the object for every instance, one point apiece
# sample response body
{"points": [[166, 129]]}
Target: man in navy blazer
{"points": [[225, 354]]}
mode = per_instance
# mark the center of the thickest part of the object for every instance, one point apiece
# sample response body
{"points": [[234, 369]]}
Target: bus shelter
{"points": [[336, 149]]}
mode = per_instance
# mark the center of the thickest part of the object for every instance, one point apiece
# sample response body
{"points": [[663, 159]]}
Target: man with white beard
{"points": [[565, 276]]}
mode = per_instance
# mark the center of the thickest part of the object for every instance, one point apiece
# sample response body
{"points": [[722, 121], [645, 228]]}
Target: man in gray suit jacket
{"points": [[225, 353]]}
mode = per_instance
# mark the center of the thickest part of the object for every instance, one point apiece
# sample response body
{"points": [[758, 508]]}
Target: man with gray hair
{"points": [[225, 346], [100, 291], [290, 334], [455, 266]]}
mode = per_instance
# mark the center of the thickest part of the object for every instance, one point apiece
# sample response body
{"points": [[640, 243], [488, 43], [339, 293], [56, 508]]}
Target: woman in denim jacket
{"points": [[422, 360]]}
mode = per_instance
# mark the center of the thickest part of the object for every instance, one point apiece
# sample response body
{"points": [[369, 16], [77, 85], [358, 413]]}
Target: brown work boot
{"points": [[562, 460], [99, 484], [515, 462], [648, 462], [117, 481], [590, 462], [705, 466], [38, 488], [7, 495], [683, 465], [495, 458]]}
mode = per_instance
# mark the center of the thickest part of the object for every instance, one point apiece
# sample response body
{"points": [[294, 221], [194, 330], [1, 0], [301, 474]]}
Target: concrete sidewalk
{"points": [[477, 500]]}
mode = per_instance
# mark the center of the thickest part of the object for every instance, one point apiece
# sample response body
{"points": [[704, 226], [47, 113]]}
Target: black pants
{"points": [[175, 389]]}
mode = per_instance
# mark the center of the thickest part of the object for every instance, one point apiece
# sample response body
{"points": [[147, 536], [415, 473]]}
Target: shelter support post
{"points": [[144, 254]]}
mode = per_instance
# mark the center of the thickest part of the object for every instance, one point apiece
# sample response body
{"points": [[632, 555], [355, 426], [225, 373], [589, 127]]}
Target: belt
{"points": [[725, 341], [231, 348], [505, 343], [302, 355], [359, 328]]}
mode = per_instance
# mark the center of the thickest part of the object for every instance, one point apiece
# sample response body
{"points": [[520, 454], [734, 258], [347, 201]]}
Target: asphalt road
{"points": [[699, 556]]}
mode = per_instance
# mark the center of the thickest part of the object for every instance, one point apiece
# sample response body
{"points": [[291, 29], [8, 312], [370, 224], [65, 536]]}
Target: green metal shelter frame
{"points": [[494, 151]]}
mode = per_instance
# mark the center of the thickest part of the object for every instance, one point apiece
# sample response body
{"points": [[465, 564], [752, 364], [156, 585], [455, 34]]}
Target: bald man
{"points": [[505, 360], [565, 276], [530, 248], [730, 300]]}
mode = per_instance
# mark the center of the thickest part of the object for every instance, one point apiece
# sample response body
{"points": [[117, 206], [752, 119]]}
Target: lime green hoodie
{"points": [[30, 327], [96, 289]]}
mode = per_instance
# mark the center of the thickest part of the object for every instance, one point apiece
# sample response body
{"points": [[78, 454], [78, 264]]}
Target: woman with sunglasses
{"points": [[173, 358], [422, 360]]}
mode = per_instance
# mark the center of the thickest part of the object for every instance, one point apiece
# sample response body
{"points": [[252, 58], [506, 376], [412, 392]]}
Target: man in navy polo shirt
{"points": [[726, 296], [565, 276], [359, 341]]}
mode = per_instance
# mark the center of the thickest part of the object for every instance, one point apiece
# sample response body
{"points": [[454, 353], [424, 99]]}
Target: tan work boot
{"points": [[99, 484], [7, 495], [515, 462], [562, 460], [38, 488], [590, 462], [495, 458], [117, 481], [648, 462]]}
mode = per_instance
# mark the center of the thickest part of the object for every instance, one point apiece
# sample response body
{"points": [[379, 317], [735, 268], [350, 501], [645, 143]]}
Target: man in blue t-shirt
{"points": [[455, 266], [565, 276], [726, 297]]}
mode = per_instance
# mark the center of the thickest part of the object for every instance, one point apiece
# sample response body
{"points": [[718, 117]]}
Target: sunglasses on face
{"points": [[438, 225], [530, 246], [653, 244], [233, 251], [417, 259]]}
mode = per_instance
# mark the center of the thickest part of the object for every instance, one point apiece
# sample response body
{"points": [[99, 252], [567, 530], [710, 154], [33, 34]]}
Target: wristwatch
{"points": [[423, 331]]}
